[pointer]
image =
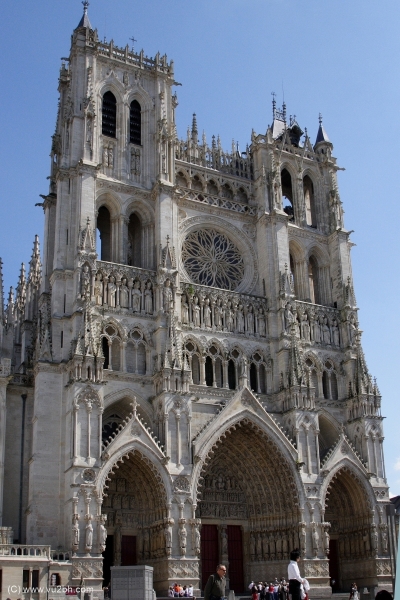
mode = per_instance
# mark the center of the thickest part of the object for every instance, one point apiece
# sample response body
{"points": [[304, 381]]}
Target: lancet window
{"points": [[329, 382], [113, 348], [192, 354], [308, 188], [135, 241], [109, 115], [136, 350], [287, 193], [313, 280], [258, 374], [104, 234], [135, 123]]}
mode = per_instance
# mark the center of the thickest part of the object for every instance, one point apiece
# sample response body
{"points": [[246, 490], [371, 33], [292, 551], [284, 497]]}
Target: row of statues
{"points": [[231, 315], [318, 328], [136, 296]]}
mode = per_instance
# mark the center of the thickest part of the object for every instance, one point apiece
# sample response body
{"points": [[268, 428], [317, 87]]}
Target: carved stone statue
{"points": [[224, 542], [196, 540], [85, 282], [317, 331], [184, 310], [112, 289], [250, 320], [335, 333], [136, 296], [374, 540], [315, 540], [89, 535], [303, 537], [103, 537], [229, 317], [98, 290], [306, 328], [326, 542], [218, 315], [148, 299], [384, 539], [182, 535], [75, 534], [326, 334], [240, 319], [289, 317], [196, 312], [167, 296], [207, 313], [168, 539], [124, 295]]}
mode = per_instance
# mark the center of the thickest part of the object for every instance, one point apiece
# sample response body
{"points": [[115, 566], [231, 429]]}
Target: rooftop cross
{"points": [[85, 5], [320, 119], [133, 40]]}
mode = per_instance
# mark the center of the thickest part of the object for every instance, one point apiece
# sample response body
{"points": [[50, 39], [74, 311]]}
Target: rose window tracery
{"points": [[211, 258]]}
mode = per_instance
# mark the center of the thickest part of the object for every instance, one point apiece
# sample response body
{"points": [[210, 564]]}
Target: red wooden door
{"points": [[128, 551], [334, 573], [235, 556], [209, 552]]}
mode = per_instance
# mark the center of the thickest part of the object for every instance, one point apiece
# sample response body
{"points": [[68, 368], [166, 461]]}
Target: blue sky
{"points": [[339, 58]]}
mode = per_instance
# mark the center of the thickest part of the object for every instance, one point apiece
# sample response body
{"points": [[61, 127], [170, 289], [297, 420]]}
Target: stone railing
{"points": [[18, 550], [60, 556], [158, 63], [239, 164], [122, 287], [227, 203], [214, 309]]}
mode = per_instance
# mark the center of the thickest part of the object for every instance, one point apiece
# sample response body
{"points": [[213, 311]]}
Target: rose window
{"points": [[212, 259]]}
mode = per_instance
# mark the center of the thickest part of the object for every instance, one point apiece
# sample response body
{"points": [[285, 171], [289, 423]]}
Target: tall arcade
{"points": [[182, 379]]}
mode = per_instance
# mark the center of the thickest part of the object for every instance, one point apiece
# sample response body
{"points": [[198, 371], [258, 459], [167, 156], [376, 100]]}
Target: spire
{"points": [[21, 289], [322, 136], [35, 267], [195, 133], [84, 22], [10, 307]]}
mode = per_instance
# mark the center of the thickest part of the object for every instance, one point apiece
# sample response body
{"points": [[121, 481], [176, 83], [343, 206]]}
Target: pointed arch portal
{"points": [[136, 507], [248, 506], [353, 543]]}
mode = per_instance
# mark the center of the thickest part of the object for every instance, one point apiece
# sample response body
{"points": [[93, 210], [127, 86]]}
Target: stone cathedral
{"points": [[182, 379]]}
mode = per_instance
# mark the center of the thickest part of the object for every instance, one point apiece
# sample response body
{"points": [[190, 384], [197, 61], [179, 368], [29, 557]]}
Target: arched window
{"points": [[109, 115], [325, 385], [308, 188], [196, 369], [227, 191], [209, 371], [103, 238], [219, 379], [212, 187], [253, 377], [106, 352], [329, 382], [196, 183], [294, 275], [313, 281], [231, 375], [135, 123], [287, 193], [134, 257]]}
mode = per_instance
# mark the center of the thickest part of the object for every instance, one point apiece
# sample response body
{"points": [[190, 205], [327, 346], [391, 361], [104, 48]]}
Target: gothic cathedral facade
{"points": [[182, 379]]}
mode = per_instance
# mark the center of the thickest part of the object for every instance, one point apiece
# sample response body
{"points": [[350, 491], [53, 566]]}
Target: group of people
{"points": [[275, 590], [180, 591]]}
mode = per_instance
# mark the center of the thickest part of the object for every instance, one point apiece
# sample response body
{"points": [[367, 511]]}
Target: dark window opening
{"points": [[196, 370], [209, 372], [231, 375], [106, 352], [253, 377], [104, 228], [109, 115], [287, 193], [134, 257], [135, 123]]}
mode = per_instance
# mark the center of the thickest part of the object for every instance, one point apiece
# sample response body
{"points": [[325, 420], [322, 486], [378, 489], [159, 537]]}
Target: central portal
{"points": [[248, 508]]}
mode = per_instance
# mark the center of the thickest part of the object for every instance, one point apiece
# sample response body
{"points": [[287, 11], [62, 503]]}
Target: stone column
{"points": [[4, 381]]}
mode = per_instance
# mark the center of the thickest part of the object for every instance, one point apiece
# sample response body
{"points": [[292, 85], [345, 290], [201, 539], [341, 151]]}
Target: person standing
{"points": [[216, 584], [295, 579]]}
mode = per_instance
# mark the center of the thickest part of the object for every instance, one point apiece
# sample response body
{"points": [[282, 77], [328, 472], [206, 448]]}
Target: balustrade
{"points": [[232, 163], [25, 550], [221, 202]]}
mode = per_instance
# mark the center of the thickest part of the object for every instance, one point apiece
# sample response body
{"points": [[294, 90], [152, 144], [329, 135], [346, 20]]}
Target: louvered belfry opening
{"points": [[109, 121], [135, 123]]}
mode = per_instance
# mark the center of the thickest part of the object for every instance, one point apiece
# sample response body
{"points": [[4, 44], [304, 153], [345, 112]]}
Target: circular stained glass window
{"points": [[211, 258]]}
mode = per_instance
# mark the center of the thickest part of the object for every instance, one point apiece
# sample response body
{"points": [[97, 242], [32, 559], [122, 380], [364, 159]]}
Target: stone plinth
{"points": [[132, 583]]}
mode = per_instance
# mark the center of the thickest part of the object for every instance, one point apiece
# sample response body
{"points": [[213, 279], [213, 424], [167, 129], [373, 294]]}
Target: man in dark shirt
{"points": [[215, 586]]}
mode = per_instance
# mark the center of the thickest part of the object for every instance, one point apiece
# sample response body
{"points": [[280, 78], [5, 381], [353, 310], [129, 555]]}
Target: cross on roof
{"points": [[133, 40], [85, 5]]}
